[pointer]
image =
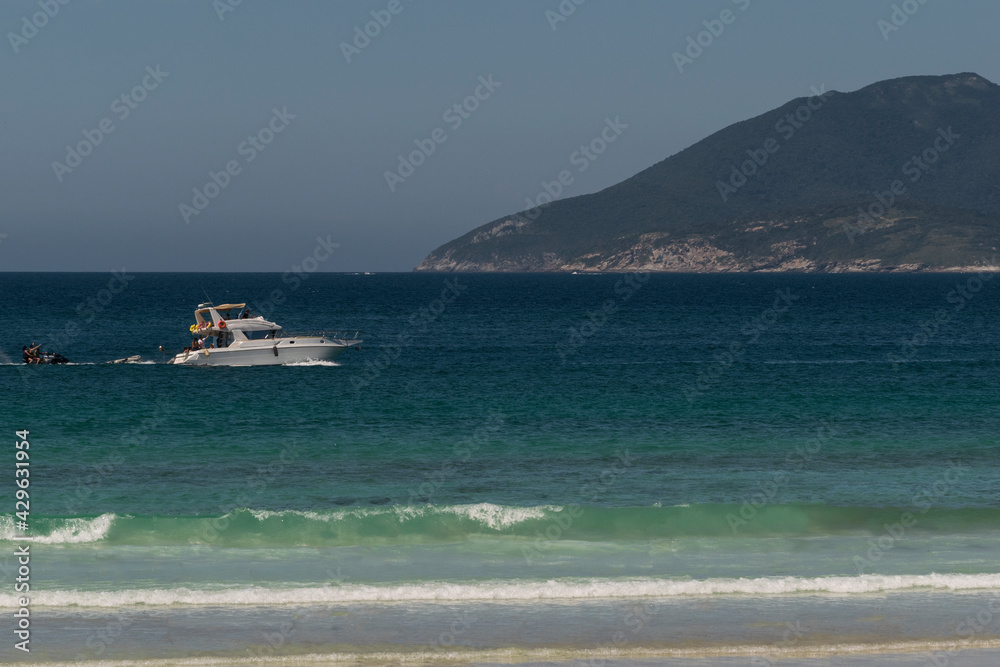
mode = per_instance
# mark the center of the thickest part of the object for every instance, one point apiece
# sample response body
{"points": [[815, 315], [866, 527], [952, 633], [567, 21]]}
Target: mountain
{"points": [[903, 174]]}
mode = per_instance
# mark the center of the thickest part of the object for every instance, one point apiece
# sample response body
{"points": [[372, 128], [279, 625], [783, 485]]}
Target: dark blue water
{"points": [[502, 431]]}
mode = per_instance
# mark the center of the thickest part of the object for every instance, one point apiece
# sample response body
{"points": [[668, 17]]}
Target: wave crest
{"points": [[412, 524], [516, 590], [60, 531]]}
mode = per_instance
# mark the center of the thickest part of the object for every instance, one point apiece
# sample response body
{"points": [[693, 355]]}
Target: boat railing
{"points": [[348, 334]]}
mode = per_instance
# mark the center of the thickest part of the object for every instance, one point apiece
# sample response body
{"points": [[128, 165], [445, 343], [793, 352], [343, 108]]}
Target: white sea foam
{"points": [[563, 655], [80, 530], [512, 590], [520, 654], [496, 517], [73, 531]]}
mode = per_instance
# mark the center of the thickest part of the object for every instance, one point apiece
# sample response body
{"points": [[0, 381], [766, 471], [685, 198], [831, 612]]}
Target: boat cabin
{"points": [[222, 325]]}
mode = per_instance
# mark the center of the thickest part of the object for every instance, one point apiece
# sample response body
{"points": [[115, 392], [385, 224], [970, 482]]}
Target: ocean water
{"points": [[602, 470]]}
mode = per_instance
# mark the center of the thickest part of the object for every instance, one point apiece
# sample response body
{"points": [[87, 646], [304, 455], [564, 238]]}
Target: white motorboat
{"points": [[226, 335]]}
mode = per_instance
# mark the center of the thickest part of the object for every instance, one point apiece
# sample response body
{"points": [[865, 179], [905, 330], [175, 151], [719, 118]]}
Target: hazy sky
{"points": [[308, 113]]}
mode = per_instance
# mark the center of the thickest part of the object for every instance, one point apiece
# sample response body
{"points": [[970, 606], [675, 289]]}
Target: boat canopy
{"points": [[223, 312], [253, 324], [224, 306]]}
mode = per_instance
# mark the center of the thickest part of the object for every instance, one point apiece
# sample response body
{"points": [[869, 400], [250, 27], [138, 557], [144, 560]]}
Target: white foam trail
{"points": [[513, 590], [74, 531], [824, 362], [313, 362], [68, 363]]}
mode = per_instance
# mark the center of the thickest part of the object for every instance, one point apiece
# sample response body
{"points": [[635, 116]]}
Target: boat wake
{"points": [[313, 362]]}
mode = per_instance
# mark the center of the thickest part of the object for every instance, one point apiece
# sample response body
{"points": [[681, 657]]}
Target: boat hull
{"points": [[266, 353]]}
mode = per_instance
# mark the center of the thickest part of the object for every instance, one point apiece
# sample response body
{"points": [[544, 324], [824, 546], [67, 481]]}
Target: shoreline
{"points": [[599, 657], [773, 630], [642, 268]]}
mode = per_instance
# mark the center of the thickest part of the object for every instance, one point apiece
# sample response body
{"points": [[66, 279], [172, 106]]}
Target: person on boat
{"points": [[34, 351], [245, 314], [25, 357]]}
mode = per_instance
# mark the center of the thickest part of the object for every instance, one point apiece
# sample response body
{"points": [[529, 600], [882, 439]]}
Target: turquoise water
{"points": [[512, 468]]}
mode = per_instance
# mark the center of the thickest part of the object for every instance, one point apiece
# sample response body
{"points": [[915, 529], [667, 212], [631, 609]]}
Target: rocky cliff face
{"points": [[658, 252], [902, 175]]}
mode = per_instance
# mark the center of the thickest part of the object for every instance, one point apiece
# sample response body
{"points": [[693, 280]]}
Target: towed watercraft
{"points": [[134, 359], [227, 335]]}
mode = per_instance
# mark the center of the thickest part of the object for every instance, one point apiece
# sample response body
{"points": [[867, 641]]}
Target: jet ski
{"points": [[45, 358], [52, 358]]}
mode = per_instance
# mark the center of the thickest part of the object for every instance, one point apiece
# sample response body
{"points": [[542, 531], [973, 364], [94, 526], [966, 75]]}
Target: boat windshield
{"points": [[263, 334]]}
